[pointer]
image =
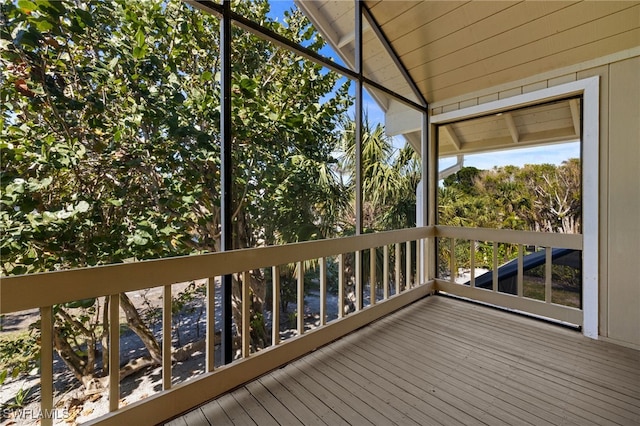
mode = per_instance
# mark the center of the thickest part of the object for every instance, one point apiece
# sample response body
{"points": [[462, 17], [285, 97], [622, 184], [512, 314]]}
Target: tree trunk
{"points": [[105, 336], [139, 327], [257, 290], [76, 364]]}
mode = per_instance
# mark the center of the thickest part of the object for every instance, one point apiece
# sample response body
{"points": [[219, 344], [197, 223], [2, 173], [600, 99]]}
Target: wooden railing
{"points": [[515, 299], [409, 279], [44, 291]]}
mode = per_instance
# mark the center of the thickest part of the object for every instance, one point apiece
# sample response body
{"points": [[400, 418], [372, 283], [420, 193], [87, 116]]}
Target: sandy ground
{"points": [[144, 383]]}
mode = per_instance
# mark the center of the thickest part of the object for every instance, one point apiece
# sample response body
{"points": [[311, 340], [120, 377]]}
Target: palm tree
{"points": [[388, 181]]}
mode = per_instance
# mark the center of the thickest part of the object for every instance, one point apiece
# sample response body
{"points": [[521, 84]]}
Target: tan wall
{"points": [[619, 209], [624, 201]]}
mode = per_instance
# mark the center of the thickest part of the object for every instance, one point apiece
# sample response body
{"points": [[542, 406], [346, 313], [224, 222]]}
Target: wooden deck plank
{"points": [[543, 379], [509, 401], [438, 395], [214, 413], [421, 411], [235, 411], [562, 378], [417, 370], [441, 395], [339, 397], [179, 421], [253, 408], [562, 343], [444, 361], [196, 418], [548, 335], [380, 403], [291, 401], [517, 349], [268, 400], [570, 366], [454, 366], [308, 398]]}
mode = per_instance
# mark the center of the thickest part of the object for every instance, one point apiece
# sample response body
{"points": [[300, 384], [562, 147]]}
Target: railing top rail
{"points": [[45, 289], [542, 239], [49, 288]]}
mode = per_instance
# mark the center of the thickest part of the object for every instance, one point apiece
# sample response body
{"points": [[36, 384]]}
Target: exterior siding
{"points": [[624, 201]]}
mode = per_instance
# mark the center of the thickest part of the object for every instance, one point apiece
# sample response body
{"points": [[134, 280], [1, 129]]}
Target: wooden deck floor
{"points": [[443, 361]]}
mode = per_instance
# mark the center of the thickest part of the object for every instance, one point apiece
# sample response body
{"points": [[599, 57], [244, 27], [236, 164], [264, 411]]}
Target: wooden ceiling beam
{"points": [[575, 115], [511, 125], [351, 36], [452, 135]]}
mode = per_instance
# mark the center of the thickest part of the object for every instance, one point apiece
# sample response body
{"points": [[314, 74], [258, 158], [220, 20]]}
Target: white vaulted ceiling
{"points": [[452, 48]]}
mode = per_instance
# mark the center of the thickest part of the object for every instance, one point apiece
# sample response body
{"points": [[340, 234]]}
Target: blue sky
{"points": [[551, 154], [278, 7]]}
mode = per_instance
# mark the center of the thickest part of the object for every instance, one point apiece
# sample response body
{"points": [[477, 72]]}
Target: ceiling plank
{"points": [[415, 17], [448, 87], [385, 11], [530, 42], [547, 136], [506, 142], [335, 10], [511, 125], [325, 24], [435, 35]]}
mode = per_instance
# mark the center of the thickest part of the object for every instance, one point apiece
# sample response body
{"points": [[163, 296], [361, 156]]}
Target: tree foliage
{"points": [[538, 197], [110, 143], [535, 197], [389, 179], [110, 152]]}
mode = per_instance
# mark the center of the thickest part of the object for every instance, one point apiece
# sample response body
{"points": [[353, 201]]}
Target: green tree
{"points": [[557, 196], [534, 197], [110, 145], [389, 180], [463, 180]]}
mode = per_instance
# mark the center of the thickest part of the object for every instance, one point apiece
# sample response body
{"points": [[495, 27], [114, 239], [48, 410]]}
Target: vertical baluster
{"points": [[408, 266], [372, 275], [398, 262], [472, 263], [166, 338], [275, 309], [323, 290], [548, 264], [358, 255], [340, 285], [520, 279], [385, 272], [418, 279], [246, 315], [452, 260], [495, 266], [422, 264], [46, 364], [114, 351], [210, 359], [300, 299]]}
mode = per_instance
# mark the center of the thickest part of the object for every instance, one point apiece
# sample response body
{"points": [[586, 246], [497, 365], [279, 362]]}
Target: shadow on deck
{"points": [[443, 361]]}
